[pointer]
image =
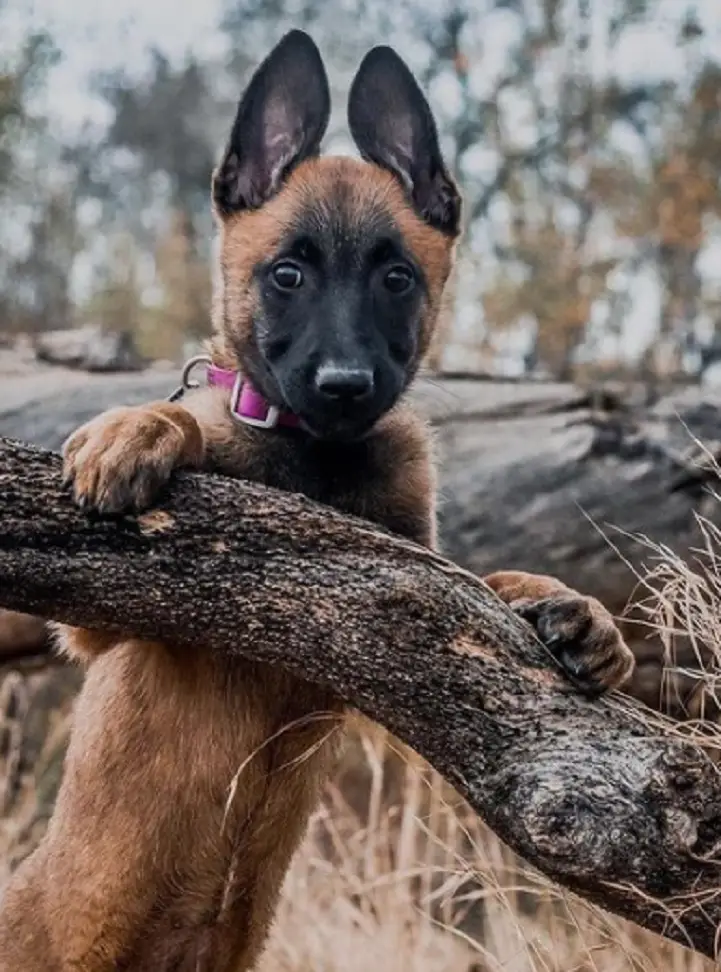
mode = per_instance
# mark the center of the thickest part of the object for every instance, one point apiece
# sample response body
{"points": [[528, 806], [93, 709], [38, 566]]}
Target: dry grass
{"points": [[414, 882], [419, 883]]}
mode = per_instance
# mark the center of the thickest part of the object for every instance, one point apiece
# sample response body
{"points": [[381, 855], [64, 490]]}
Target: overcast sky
{"points": [[94, 34], [100, 34], [97, 34]]}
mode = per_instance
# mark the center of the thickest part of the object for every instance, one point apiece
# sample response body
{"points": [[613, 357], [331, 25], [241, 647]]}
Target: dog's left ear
{"points": [[392, 125], [281, 120]]}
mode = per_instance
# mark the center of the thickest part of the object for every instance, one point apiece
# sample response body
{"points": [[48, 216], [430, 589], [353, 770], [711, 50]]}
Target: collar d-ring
{"points": [[186, 383]]}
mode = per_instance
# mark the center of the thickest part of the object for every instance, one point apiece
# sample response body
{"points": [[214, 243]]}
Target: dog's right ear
{"points": [[281, 120], [392, 124]]}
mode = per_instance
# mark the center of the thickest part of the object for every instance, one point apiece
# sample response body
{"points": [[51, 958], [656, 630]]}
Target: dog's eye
{"points": [[287, 276], [399, 280]]}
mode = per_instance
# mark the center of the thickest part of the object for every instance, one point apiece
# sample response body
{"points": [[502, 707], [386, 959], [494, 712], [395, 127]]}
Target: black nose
{"points": [[344, 384]]}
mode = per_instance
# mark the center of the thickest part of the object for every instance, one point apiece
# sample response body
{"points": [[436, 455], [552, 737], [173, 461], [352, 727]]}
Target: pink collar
{"points": [[246, 404]]}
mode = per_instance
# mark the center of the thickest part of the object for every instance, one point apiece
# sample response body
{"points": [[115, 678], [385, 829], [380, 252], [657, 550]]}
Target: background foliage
{"points": [[586, 135]]}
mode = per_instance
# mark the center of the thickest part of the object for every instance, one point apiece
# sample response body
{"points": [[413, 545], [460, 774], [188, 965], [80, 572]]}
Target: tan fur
{"points": [[190, 780], [248, 238], [145, 865]]}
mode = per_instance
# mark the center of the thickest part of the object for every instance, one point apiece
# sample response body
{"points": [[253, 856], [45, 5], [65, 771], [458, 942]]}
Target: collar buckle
{"points": [[272, 414]]}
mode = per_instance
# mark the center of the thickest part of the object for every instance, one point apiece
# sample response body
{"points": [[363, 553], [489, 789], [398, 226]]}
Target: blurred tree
{"points": [[165, 121], [183, 278], [116, 301], [36, 253], [598, 177], [153, 168], [22, 72], [40, 279]]}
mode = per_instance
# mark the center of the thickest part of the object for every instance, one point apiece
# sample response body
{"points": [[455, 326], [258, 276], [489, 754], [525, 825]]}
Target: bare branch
{"points": [[599, 799]]}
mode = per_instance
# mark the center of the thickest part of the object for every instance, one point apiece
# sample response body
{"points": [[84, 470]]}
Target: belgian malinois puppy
{"points": [[333, 272]]}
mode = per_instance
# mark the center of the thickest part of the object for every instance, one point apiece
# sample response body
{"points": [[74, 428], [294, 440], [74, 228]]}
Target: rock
{"points": [[89, 349]]}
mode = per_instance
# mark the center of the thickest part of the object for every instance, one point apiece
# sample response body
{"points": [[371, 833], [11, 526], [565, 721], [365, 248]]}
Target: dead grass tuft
{"points": [[398, 875], [418, 883]]}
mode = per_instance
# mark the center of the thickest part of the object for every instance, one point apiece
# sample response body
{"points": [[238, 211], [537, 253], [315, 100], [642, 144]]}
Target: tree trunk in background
{"points": [[531, 474], [549, 478], [35, 704]]}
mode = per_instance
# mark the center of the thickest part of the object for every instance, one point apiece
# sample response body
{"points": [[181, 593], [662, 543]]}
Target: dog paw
{"points": [[583, 638], [121, 460]]}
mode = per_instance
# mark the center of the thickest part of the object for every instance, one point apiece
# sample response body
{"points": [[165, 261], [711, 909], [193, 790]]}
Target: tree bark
{"points": [[547, 474], [551, 478], [596, 796], [531, 472]]}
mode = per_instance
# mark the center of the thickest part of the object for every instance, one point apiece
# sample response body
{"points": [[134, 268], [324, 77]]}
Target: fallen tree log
{"points": [[595, 795], [522, 464], [531, 472], [537, 476]]}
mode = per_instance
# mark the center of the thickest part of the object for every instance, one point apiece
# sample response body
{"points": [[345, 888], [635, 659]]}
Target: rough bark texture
{"points": [[532, 475], [521, 463], [527, 468], [599, 800]]}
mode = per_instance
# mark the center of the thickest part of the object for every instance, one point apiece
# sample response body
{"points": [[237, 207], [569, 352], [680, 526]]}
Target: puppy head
{"points": [[333, 269]]}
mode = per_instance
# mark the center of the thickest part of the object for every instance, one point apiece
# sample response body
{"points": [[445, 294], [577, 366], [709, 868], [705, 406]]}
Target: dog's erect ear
{"points": [[281, 120], [392, 125]]}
